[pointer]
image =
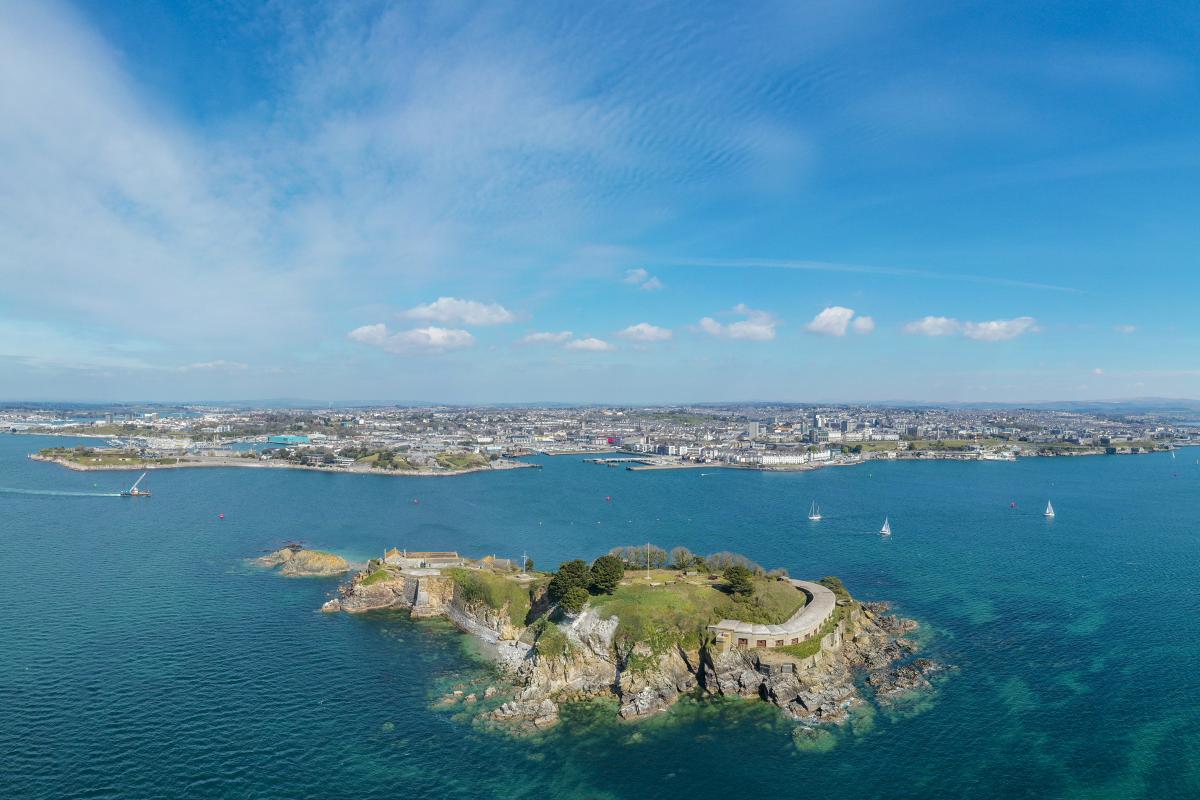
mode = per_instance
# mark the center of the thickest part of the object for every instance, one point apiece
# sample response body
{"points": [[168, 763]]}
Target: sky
{"points": [[599, 202]]}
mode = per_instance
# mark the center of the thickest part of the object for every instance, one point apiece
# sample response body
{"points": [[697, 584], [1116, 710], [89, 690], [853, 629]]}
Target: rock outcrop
{"points": [[296, 562], [582, 657]]}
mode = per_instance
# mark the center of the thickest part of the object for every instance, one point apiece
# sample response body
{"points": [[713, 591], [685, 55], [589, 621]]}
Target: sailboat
{"points": [[886, 530], [134, 491], [814, 512], [1049, 510]]}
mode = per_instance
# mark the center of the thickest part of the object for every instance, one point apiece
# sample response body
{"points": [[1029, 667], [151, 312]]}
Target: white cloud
{"points": [[863, 325], [833, 321], [645, 332], [996, 330], [1126, 329], [464, 312], [999, 330], [430, 339], [758, 326], [642, 279], [591, 344], [1097, 371], [545, 337], [933, 326]]}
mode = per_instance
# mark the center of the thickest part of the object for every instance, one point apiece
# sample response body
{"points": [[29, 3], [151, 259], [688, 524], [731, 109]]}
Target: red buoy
{"points": [[220, 516]]}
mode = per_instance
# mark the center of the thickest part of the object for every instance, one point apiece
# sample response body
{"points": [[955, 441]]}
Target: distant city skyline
{"points": [[852, 202]]}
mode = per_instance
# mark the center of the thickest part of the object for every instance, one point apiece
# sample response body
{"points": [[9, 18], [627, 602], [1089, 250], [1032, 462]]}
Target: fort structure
{"points": [[800, 627]]}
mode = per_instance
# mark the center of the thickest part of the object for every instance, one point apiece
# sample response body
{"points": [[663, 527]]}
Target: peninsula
{"points": [[715, 625]]}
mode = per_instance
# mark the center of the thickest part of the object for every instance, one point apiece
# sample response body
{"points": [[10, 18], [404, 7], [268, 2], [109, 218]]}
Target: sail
{"points": [[886, 530], [1049, 509]]}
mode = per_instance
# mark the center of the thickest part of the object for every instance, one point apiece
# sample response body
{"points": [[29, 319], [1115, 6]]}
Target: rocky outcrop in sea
{"points": [[297, 562], [583, 658]]}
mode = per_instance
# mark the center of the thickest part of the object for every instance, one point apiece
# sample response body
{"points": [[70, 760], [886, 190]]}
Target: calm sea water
{"points": [[141, 658]]}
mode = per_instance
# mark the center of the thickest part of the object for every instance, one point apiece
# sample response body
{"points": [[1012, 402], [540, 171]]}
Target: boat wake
{"points": [[55, 493]]}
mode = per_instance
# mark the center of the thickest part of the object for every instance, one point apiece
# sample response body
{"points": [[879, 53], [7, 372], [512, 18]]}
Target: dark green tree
{"points": [[570, 574], [574, 600], [606, 573], [740, 579]]}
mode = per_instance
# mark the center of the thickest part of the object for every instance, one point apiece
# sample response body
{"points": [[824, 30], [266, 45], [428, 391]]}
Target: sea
{"points": [[142, 656]]}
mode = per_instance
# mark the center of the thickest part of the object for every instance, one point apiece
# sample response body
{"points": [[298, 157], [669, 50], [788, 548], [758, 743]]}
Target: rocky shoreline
{"points": [[580, 657]]}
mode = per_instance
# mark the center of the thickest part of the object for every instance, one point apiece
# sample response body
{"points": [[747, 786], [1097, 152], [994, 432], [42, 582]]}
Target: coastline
{"points": [[246, 463]]}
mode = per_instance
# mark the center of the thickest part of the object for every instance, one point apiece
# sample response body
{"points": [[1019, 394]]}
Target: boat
{"points": [[814, 512], [1049, 510], [886, 530], [134, 491]]}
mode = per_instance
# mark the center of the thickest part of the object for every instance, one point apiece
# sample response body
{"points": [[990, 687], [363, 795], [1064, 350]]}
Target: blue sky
{"points": [[661, 202]]}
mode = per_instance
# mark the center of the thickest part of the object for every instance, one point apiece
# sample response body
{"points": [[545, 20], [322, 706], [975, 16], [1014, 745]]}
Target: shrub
{"points": [[574, 600], [682, 558], [570, 574], [719, 561], [740, 579], [606, 573]]}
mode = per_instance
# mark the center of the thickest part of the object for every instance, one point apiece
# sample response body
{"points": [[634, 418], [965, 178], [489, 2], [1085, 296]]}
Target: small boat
{"points": [[134, 491], [1049, 514], [886, 530], [814, 512]]}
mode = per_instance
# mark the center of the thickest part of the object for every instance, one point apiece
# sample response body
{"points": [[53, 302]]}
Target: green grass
{"points": [[812, 645], [677, 613], [378, 576], [494, 591], [461, 460], [551, 641]]}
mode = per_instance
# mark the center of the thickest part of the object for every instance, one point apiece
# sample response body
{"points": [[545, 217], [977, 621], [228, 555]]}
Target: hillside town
{"points": [[450, 439]]}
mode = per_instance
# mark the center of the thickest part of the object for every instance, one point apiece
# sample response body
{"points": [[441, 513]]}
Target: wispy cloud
{"points": [[758, 326], [828, 266], [546, 337], [432, 339], [997, 330], [1126, 329], [645, 332], [590, 344], [642, 279]]}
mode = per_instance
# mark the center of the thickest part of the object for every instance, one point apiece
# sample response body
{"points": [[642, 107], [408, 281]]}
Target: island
{"points": [[648, 627]]}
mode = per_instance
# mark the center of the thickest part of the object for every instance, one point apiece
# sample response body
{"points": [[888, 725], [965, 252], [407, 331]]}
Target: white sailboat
{"points": [[814, 512], [886, 530], [1049, 510]]}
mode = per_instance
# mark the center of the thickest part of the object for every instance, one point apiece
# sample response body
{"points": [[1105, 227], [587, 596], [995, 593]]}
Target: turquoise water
{"points": [[141, 658]]}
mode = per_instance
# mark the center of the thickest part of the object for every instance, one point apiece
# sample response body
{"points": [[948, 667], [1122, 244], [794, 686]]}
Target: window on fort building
{"points": [[762, 643], [743, 642], [779, 642], [795, 641]]}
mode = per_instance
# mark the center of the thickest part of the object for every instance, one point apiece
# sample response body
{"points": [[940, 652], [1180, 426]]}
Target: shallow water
{"points": [[141, 657]]}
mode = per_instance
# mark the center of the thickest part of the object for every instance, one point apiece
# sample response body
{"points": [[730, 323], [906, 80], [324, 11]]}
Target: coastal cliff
{"points": [[562, 657]]}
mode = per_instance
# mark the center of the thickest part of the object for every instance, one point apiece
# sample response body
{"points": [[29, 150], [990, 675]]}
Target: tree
{"points": [[682, 558], [606, 573], [740, 579], [574, 600], [570, 574], [528, 564]]}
